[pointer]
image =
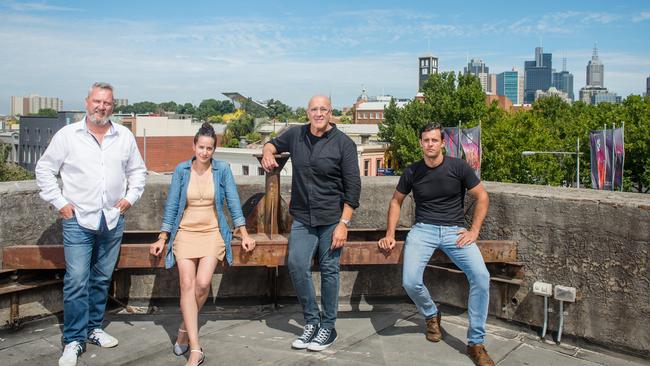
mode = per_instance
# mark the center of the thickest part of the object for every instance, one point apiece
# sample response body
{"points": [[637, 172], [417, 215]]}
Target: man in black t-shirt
{"points": [[439, 184], [325, 190]]}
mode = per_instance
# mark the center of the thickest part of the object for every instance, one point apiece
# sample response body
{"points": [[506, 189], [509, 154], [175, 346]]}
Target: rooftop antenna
{"points": [[564, 64]]}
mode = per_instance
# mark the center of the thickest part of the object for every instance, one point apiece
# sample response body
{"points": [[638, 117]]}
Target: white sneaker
{"points": [[71, 351], [102, 339], [308, 333]]}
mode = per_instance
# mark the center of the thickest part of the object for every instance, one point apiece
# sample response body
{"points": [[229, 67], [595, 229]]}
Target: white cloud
{"points": [[35, 6], [644, 15]]}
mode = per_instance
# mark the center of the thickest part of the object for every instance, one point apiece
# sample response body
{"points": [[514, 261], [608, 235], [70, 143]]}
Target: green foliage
{"points": [[345, 120], [336, 112], [253, 109], [8, 171], [301, 114], [211, 107], [241, 127], [446, 100], [551, 125], [278, 110], [45, 112]]}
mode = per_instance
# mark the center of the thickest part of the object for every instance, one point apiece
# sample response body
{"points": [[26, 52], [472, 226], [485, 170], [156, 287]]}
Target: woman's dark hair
{"points": [[208, 131]]}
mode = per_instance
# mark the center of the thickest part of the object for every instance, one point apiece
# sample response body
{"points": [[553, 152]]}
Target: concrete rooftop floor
{"points": [[381, 333]]}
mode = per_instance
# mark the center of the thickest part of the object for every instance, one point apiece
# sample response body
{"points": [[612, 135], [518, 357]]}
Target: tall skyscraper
{"points": [[647, 86], [538, 74], [428, 65], [563, 81], [478, 68], [595, 71], [508, 85], [595, 92]]}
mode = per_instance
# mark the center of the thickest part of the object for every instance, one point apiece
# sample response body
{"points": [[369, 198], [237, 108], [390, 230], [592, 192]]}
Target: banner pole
{"points": [[460, 138], [623, 160], [613, 156], [578, 163]]}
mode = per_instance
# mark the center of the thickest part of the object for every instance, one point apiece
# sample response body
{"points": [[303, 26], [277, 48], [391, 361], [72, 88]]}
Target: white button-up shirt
{"points": [[95, 177]]}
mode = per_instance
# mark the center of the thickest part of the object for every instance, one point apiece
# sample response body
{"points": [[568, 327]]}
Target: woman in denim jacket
{"points": [[198, 232]]}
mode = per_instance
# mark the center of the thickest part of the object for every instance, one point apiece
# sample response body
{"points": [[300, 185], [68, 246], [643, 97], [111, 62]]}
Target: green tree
{"points": [[301, 114], [447, 100], [211, 107], [45, 112], [241, 127], [253, 109], [278, 110], [11, 172], [170, 106], [187, 108], [345, 120]]}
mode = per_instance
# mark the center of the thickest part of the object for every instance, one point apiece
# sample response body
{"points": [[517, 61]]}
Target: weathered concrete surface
{"points": [[372, 334], [598, 242]]}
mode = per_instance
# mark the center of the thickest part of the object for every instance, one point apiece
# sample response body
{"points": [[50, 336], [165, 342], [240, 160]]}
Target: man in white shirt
{"points": [[102, 175]]}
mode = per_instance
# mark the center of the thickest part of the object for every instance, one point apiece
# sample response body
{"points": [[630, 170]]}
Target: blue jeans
{"points": [[90, 258], [304, 242], [421, 242]]}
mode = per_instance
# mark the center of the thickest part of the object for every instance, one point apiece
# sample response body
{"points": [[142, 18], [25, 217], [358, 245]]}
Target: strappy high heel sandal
{"points": [[180, 349], [202, 355]]}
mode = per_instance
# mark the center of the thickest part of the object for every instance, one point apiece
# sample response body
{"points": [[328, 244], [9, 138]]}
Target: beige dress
{"points": [[198, 234]]}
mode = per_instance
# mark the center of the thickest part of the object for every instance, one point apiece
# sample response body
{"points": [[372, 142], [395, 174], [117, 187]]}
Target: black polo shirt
{"points": [[325, 175]]}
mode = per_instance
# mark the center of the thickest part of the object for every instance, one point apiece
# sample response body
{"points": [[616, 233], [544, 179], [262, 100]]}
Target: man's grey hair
{"points": [[101, 85]]}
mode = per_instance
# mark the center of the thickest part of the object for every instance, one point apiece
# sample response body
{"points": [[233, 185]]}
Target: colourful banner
{"points": [[471, 141], [452, 148], [607, 156], [619, 156], [598, 159]]}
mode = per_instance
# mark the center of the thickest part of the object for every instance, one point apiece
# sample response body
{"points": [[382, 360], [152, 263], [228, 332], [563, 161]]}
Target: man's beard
{"points": [[98, 121]]}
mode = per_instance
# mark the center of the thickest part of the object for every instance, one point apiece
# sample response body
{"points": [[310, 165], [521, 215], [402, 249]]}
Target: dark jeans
{"points": [[90, 257], [305, 242]]}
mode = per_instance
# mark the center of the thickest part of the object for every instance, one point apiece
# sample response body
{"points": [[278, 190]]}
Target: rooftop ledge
{"points": [[597, 242]]}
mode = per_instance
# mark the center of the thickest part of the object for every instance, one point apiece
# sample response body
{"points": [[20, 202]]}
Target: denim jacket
{"points": [[224, 187]]}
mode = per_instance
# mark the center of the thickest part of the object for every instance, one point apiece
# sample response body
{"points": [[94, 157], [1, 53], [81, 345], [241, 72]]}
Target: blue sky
{"points": [[192, 50]]}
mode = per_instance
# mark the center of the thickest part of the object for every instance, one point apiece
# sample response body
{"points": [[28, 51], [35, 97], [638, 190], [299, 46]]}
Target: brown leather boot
{"points": [[479, 355], [434, 333]]}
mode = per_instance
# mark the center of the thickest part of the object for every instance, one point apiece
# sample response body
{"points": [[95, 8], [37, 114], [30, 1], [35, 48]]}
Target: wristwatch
{"points": [[162, 236], [345, 222]]}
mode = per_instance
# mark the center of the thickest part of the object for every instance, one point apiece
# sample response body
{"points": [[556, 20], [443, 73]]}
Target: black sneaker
{"points": [[323, 339], [308, 334]]}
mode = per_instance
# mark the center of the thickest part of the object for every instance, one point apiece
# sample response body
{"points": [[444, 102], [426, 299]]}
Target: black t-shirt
{"points": [[313, 138], [439, 192]]}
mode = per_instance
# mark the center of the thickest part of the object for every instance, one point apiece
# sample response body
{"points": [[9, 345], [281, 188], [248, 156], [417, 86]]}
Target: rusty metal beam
{"points": [[271, 250]]}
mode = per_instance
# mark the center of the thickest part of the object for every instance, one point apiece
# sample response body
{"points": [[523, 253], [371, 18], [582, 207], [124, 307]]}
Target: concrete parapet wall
{"points": [[597, 242]]}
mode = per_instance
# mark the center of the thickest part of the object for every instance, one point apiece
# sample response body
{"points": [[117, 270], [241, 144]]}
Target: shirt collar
{"points": [[83, 127], [326, 134]]}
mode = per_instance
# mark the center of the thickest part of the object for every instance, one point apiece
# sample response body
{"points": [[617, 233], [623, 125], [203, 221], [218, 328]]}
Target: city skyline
{"points": [[160, 52]]}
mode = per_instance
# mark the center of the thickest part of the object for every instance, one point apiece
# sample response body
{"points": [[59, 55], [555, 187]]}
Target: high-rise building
{"points": [[478, 68], [508, 85], [34, 103], [428, 65], [563, 81], [538, 74], [647, 86], [492, 84], [595, 71], [595, 91]]}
